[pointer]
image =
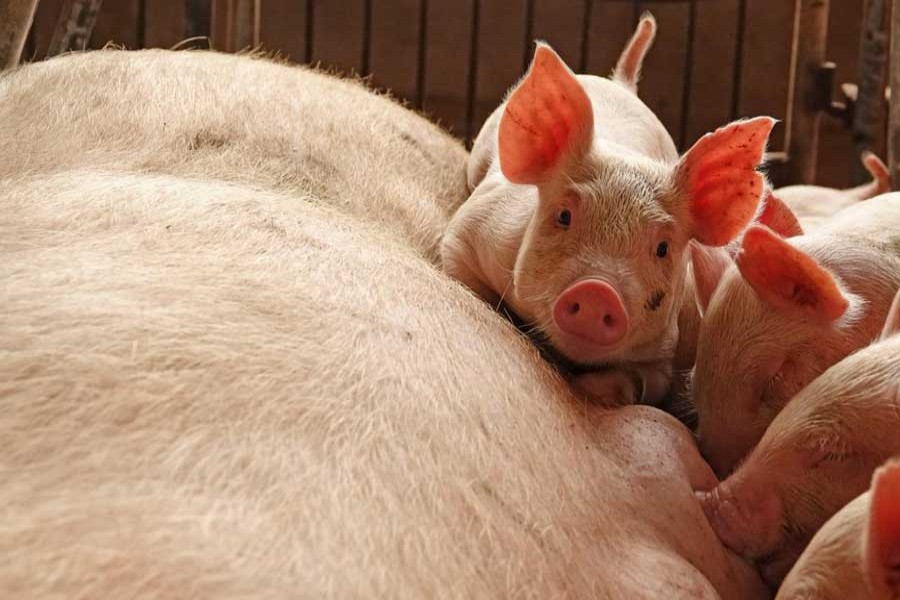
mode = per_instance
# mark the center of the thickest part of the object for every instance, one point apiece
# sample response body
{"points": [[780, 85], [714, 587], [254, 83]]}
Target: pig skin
{"points": [[230, 367]]}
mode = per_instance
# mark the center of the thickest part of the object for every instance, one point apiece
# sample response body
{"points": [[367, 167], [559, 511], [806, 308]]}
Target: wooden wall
{"points": [[714, 60]]}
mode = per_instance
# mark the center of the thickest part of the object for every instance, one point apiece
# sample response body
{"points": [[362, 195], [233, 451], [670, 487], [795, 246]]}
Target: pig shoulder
{"points": [[301, 132]]}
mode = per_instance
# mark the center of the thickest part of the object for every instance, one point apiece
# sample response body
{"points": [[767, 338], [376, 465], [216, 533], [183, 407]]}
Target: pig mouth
{"points": [[549, 349]]}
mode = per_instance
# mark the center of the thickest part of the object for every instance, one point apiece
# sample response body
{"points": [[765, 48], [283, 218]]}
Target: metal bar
{"points": [[422, 63], [197, 17], [310, 31], [688, 73], [894, 118], [16, 17], [807, 56], [867, 110], [585, 35], [529, 34], [473, 72], [738, 59], [367, 38], [74, 26]]}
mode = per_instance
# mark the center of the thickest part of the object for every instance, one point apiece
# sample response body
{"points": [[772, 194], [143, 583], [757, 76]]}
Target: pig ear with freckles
{"points": [[719, 180], [778, 217], [708, 265], [548, 121], [788, 279], [882, 549], [892, 323]]}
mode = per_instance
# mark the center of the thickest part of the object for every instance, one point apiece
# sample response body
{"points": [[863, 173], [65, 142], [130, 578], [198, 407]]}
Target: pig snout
{"points": [[593, 311], [747, 524]]}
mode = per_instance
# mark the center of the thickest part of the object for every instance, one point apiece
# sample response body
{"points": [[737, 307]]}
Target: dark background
{"points": [[713, 61]]}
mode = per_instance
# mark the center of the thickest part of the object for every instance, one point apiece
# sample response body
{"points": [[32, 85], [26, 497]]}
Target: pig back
{"points": [[876, 220], [217, 383], [247, 121]]}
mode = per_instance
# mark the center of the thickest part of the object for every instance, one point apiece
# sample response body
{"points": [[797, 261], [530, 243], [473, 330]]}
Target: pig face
{"points": [[816, 456], [856, 554], [602, 260], [773, 324], [603, 256]]}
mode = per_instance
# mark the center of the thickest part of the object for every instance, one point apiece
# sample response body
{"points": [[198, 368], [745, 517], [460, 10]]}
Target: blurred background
{"points": [[713, 60]]}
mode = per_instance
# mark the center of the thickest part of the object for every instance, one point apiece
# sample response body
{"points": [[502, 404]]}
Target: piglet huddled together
{"points": [[629, 264]]}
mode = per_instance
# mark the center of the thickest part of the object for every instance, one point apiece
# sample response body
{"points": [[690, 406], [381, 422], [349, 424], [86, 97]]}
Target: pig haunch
{"points": [[230, 367]]}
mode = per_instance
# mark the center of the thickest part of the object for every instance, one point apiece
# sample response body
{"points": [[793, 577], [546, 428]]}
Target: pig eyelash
{"points": [[836, 456]]}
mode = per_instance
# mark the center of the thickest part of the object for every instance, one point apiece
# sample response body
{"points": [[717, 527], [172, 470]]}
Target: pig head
{"points": [[582, 222], [817, 455], [784, 313]]}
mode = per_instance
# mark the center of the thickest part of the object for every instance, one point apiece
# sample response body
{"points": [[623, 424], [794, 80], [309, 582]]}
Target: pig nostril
{"points": [[608, 320], [574, 308]]}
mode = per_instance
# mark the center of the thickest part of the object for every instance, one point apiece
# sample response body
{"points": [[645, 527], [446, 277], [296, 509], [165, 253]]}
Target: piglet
{"points": [[582, 211], [817, 455], [785, 312], [788, 211], [856, 554]]}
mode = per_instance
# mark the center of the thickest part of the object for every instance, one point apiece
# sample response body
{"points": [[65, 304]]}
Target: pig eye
{"points": [[662, 249], [564, 218]]}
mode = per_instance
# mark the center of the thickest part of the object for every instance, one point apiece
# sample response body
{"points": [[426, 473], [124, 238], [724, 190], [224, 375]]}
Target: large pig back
{"points": [[218, 382], [252, 122]]}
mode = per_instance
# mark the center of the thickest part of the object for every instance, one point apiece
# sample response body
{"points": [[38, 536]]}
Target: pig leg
{"points": [[745, 515]]}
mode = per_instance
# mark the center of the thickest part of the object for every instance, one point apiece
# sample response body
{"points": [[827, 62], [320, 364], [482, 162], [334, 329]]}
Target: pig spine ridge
{"points": [[229, 367]]}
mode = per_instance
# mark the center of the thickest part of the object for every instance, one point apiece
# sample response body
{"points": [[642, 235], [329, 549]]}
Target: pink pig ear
{"points": [[788, 279], [718, 177], [892, 322], [778, 217], [708, 265], [547, 121], [882, 550]]}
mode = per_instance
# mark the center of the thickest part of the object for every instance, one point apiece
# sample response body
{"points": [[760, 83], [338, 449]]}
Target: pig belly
{"points": [[220, 383]]}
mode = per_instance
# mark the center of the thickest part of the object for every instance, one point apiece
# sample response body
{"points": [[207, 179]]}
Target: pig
{"points": [[232, 368], [814, 204], [815, 456], [782, 313], [580, 221], [856, 554], [788, 211]]}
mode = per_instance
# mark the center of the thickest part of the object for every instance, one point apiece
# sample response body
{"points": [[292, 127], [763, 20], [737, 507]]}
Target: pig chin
{"points": [[581, 352]]}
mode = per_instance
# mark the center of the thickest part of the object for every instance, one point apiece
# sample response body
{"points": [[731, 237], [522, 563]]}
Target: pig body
{"points": [[813, 204], [581, 212], [856, 554], [231, 368], [789, 211], [785, 313]]}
